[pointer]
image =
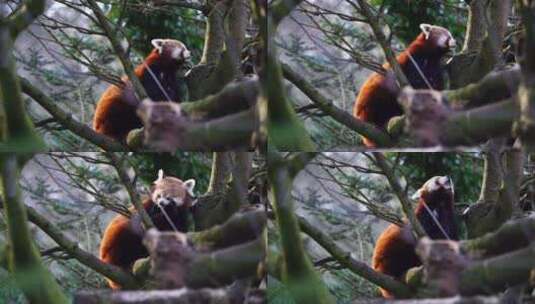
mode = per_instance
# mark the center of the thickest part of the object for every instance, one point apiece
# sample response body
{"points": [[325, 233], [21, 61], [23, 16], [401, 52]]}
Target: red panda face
{"points": [[172, 192], [172, 49], [436, 189], [438, 36]]}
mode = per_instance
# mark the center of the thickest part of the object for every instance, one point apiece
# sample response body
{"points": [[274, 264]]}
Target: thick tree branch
{"points": [[240, 228], [237, 25], [432, 123], [174, 132], [25, 14], [220, 172], [217, 207], [348, 261], [16, 130], [482, 53], [175, 296], [214, 37], [512, 235], [298, 270], [233, 98], [498, 273], [279, 9], [495, 86], [482, 216], [286, 132], [224, 266], [217, 122], [476, 26], [368, 130], [192, 4], [452, 300], [174, 264], [25, 261], [526, 94], [66, 119], [110, 271]]}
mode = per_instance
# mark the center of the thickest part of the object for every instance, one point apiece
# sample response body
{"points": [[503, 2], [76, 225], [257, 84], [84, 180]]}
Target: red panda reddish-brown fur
{"points": [[376, 101], [394, 251], [115, 116], [122, 245]]}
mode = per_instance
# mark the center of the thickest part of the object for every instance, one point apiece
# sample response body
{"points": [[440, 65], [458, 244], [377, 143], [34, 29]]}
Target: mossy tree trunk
{"points": [[297, 270], [36, 282]]}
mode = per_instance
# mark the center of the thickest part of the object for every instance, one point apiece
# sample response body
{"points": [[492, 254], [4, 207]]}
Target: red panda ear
{"points": [[157, 44], [160, 176], [190, 184], [426, 29]]}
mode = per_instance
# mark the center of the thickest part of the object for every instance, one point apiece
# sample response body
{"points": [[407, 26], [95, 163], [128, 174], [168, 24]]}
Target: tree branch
{"points": [[16, 130], [525, 126], [373, 21], [513, 235], [347, 260], [366, 129], [298, 270], [220, 172], [66, 119], [110, 271], [175, 296], [174, 132], [118, 164], [25, 261], [432, 123], [119, 51], [25, 15], [495, 86], [394, 184]]}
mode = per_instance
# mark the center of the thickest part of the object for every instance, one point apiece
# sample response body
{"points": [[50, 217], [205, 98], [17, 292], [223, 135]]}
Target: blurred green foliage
{"points": [[143, 22], [465, 169], [405, 16], [184, 165]]}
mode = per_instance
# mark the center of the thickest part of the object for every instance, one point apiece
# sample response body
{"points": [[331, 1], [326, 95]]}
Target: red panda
{"points": [[394, 251], [122, 244], [115, 116], [376, 101]]}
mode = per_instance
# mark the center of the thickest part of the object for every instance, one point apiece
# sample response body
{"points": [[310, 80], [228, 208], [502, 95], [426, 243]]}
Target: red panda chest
{"points": [[161, 82], [424, 70], [438, 219], [178, 216]]}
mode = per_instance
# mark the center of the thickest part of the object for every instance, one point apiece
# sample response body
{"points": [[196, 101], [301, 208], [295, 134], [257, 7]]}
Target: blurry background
{"points": [[66, 56], [347, 197], [328, 45], [80, 193]]}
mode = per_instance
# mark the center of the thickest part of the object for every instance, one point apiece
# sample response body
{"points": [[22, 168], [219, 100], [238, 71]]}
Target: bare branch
{"points": [[405, 203], [66, 119], [114, 40]]}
